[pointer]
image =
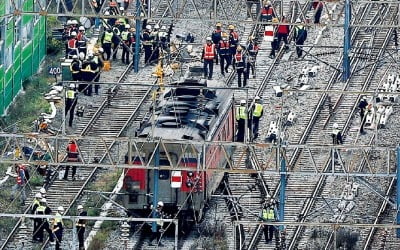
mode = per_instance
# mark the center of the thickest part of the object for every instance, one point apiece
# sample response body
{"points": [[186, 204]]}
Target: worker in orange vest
{"points": [[72, 156], [208, 56]]}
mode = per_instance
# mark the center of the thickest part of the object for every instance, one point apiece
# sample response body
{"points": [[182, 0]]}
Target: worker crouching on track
{"points": [[80, 227], [72, 156]]}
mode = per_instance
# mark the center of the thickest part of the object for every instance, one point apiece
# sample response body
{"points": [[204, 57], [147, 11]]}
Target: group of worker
{"points": [[242, 114], [224, 48], [75, 39], [55, 226]]}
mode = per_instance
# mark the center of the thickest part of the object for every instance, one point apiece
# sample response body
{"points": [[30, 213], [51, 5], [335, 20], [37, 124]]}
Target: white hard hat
{"points": [[121, 8], [81, 55], [268, 3], [73, 33], [38, 195], [148, 27], [101, 50], [298, 20], [42, 191], [257, 98], [79, 207], [107, 13], [242, 101], [74, 22], [364, 98], [156, 26], [160, 204], [81, 28], [163, 27], [69, 22], [60, 209], [72, 86], [208, 39], [75, 57], [43, 200], [127, 26], [335, 125]]}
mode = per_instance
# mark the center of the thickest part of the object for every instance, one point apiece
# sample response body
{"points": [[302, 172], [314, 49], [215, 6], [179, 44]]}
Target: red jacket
{"points": [[72, 151], [283, 29]]}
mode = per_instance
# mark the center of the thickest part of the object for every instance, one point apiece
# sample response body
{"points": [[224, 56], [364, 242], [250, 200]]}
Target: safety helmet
{"points": [[81, 28], [239, 48], [267, 3], [38, 196], [42, 191], [298, 20], [43, 200], [218, 24], [107, 13], [75, 57], [364, 98], [127, 26], [231, 27], [208, 39], [121, 8], [242, 102], [335, 125], [156, 26], [73, 33], [132, 29], [148, 27], [251, 38], [79, 207], [81, 55], [72, 86], [160, 204], [163, 27], [257, 98], [100, 50], [69, 22], [60, 209], [275, 20], [74, 22]]}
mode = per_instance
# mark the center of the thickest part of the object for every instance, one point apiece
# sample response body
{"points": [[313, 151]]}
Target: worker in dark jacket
{"points": [[156, 233], [224, 54], [147, 41], [80, 227], [58, 227], [37, 221], [126, 44], [43, 209], [106, 42], [300, 36], [71, 98], [268, 215], [252, 50], [241, 118], [336, 135], [216, 37], [363, 106], [239, 63], [257, 113], [75, 68], [318, 7]]}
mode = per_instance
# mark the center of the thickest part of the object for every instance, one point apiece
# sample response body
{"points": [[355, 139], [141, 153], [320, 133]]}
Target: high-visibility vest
{"points": [[108, 37], [72, 43], [257, 110], [122, 21], [36, 202], [71, 67], [335, 131], [70, 94], [88, 68], [233, 38], [40, 209], [224, 47], [19, 179], [241, 113], [267, 11], [72, 150], [209, 51], [124, 35], [147, 39], [268, 214], [58, 219]]}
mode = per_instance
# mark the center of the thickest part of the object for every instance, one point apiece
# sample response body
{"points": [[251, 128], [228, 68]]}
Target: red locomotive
{"points": [[194, 112]]}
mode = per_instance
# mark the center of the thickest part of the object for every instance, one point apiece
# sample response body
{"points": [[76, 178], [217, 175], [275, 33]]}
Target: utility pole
{"points": [[282, 192], [155, 185], [137, 37], [347, 38]]}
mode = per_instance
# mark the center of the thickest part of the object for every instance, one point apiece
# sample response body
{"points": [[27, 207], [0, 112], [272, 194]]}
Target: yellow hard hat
{"points": [[219, 24], [231, 27], [275, 20], [239, 48]]}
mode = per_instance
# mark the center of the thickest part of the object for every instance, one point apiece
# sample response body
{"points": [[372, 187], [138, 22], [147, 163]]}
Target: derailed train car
{"points": [[191, 111]]}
